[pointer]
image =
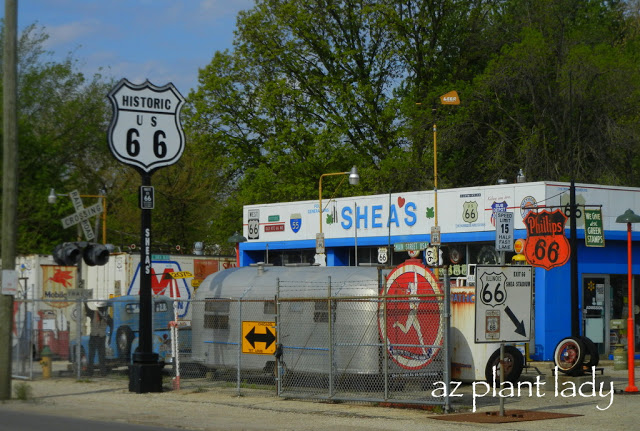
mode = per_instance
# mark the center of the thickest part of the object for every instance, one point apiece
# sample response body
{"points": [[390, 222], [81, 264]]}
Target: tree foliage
{"points": [[63, 119], [318, 86], [561, 99], [314, 86]]}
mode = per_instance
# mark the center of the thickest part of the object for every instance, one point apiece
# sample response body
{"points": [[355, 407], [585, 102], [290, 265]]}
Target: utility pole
{"points": [[9, 187]]}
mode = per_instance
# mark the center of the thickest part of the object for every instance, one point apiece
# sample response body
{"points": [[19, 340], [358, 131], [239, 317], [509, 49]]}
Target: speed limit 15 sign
{"points": [[145, 131]]}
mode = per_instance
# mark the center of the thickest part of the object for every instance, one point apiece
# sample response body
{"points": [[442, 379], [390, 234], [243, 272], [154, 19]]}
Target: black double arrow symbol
{"points": [[268, 338]]}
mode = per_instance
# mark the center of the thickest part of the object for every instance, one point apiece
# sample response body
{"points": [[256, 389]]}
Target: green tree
{"points": [[59, 116], [63, 121], [317, 86], [561, 99]]}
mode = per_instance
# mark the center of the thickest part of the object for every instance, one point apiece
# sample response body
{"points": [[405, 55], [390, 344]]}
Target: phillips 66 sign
{"points": [[145, 131]]}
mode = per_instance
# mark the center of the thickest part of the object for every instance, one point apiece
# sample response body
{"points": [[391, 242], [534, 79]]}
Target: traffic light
{"points": [[69, 253], [95, 254]]}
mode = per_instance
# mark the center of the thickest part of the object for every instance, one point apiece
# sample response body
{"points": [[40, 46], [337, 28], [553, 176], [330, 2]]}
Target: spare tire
{"points": [[514, 363], [591, 355], [569, 356]]}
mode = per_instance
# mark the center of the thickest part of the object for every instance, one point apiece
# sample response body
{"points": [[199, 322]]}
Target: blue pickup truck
{"points": [[123, 336]]}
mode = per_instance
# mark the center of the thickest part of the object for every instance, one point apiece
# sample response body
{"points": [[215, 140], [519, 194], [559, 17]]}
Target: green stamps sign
{"points": [[593, 232]]}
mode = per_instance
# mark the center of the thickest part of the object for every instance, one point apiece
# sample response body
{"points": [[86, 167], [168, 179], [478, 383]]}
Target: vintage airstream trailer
{"points": [[239, 295], [234, 305]]}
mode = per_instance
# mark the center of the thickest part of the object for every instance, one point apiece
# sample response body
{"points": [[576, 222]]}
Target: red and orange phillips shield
{"points": [[546, 245]]}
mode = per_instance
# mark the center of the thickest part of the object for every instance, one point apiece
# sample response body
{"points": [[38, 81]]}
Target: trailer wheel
{"points": [[124, 338], [514, 363], [591, 355], [569, 356]]}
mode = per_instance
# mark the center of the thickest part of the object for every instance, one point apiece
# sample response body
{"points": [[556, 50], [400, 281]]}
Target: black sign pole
{"points": [[146, 371], [145, 276], [575, 316], [131, 131]]}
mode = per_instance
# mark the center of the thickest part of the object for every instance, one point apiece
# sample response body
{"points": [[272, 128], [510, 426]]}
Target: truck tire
{"points": [[569, 356], [124, 338], [514, 363]]}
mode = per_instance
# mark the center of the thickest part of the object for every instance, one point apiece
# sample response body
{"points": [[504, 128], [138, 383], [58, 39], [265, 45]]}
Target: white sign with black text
{"points": [[503, 303], [504, 231], [145, 131]]}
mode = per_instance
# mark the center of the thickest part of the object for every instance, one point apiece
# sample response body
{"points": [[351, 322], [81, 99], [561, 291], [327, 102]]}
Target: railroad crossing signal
{"points": [[82, 215]]}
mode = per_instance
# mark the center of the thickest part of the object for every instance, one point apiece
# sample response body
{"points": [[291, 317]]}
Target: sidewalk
{"points": [[219, 407]]}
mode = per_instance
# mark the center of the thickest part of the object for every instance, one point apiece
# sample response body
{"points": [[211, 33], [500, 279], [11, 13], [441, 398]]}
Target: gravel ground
{"points": [[219, 408]]}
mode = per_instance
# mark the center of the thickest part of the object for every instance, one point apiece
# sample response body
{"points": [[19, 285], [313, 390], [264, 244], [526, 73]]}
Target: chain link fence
{"points": [[325, 341]]}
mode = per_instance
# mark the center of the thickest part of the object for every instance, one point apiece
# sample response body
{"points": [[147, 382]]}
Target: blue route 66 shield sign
{"points": [[295, 222]]}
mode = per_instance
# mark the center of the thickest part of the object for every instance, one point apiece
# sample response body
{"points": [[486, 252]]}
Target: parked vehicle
{"points": [[123, 336]]}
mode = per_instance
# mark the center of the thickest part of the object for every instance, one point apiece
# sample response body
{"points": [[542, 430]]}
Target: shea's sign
{"points": [[546, 246]]}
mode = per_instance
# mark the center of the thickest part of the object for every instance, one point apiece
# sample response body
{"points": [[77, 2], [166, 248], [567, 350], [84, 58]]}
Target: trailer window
{"points": [[269, 307], [321, 312], [216, 314]]}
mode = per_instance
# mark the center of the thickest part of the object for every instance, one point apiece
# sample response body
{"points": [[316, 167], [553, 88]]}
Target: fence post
{"points": [[278, 329], [29, 327], [385, 339], [447, 340], [239, 345], [78, 351], [330, 316]]}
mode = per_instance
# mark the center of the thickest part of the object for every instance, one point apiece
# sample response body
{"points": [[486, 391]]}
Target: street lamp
{"points": [[53, 198], [237, 239], [630, 217], [354, 179], [450, 98]]}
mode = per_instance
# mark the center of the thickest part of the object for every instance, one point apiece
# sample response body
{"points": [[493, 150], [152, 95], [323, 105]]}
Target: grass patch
{"points": [[23, 391], [200, 390]]}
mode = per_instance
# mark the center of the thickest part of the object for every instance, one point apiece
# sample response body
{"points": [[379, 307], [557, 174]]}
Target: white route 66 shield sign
{"points": [[145, 131]]}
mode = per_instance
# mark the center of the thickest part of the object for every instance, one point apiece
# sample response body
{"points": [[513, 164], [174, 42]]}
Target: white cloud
{"points": [[71, 32]]}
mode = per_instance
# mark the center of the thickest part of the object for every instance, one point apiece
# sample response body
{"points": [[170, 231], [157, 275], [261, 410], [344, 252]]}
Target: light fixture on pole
{"points": [[354, 179], [630, 217], [451, 98], [237, 239], [53, 198]]}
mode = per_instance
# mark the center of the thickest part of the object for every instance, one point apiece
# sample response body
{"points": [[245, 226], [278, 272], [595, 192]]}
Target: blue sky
{"points": [[159, 40]]}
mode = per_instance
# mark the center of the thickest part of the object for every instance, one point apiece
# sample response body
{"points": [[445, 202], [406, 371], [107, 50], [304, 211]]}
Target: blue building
{"points": [[371, 230]]}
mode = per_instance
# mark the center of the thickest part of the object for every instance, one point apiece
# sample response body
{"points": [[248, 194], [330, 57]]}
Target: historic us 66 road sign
{"points": [[503, 303], [145, 131]]}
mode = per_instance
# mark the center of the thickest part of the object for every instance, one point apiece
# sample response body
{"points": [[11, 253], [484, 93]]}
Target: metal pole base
{"points": [[145, 374]]}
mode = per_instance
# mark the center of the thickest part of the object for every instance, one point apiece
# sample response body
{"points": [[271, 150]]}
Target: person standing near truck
{"points": [[100, 320]]}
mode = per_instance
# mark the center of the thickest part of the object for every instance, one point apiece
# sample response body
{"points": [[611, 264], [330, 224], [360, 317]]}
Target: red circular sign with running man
{"points": [[413, 326]]}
